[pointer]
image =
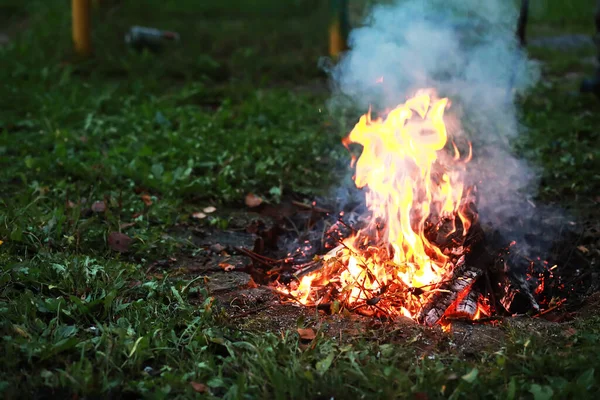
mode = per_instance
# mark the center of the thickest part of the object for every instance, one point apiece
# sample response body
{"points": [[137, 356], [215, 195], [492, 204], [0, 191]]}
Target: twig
{"points": [[249, 312], [341, 221], [310, 207], [560, 303], [266, 261], [475, 321], [251, 253], [308, 268], [490, 288], [326, 226], [282, 294], [294, 226]]}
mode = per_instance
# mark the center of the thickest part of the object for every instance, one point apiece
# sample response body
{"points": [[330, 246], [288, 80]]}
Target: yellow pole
{"points": [[337, 44], [338, 28], [81, 27]]}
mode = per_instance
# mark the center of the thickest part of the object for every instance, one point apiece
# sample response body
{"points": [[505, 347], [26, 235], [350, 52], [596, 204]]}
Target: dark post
{"points": [[592, 84], [522, 24]]}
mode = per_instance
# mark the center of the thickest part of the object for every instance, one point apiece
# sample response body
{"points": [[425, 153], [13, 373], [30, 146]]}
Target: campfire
{"points": [[418, 252]]}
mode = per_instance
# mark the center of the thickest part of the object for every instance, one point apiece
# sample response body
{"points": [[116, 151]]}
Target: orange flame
{"points": [[412, 179]]}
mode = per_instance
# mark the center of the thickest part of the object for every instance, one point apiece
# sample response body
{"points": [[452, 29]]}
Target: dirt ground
{"points": [[234, 280]]}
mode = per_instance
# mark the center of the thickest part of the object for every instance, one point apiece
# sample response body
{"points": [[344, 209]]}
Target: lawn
{"points": [[100, 159]]}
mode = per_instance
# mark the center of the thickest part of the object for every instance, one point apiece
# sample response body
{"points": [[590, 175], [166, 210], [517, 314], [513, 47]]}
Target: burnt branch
{"points": [[444, 295]]}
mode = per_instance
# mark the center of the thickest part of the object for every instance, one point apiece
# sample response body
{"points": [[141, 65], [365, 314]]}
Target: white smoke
{"points": [[468, 51]]}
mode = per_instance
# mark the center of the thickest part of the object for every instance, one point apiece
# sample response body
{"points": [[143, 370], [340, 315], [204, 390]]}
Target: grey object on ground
{"points": [[140, 37]]}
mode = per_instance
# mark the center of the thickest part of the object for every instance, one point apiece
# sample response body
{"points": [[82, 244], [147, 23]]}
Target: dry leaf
{"points": [[119, 242], [226, 266], [126, 225], [569, 332], [251, 284], [98, 206], [198, 387], [20, 331], [147, 199], [306, 333], [209, 209], [198, 215], [583, 249], [218, 248], [253, 200]]}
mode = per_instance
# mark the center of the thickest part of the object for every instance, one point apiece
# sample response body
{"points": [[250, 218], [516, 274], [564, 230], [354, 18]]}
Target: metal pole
{"points": [[81, 27], [338, 28], [522, 24]]}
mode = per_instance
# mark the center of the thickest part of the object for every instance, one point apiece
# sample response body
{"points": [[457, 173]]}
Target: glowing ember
{"points": [[415, 192]]}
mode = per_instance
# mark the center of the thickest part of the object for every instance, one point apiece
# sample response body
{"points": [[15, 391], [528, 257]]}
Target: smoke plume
{"points": [[467, 50]]}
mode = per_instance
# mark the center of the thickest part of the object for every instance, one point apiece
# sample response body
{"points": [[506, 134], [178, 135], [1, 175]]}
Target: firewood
{"points": [[516, 294], [445, 294], [467, 306]]}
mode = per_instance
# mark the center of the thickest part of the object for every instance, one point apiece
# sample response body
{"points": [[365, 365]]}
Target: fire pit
{"points": [[419, 250]]}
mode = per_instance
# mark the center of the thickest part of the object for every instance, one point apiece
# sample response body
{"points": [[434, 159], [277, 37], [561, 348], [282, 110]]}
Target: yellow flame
{"points": [[407, 183]]}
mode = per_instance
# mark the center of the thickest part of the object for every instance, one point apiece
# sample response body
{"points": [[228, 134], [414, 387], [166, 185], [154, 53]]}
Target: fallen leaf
{"points": [[226, 266], [198, 215], [147, 199], [198, 387], [20, 331], [126, 225], [119, 242], [217, 247], [583, 249], [253, 200], [306, 333], [98, 206], [209, 209], [569, 332]]}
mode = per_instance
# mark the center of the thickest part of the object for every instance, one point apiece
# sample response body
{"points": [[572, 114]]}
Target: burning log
{"points": [[446, 293], [467, 307]]}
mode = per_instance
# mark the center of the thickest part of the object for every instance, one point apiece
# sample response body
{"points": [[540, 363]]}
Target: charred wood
{"points": [[516, 296], [447, 292], [467, 306]]}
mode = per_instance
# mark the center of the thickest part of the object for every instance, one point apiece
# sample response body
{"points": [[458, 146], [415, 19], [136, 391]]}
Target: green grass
{"points": [[230, 110], [577, 14]]}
